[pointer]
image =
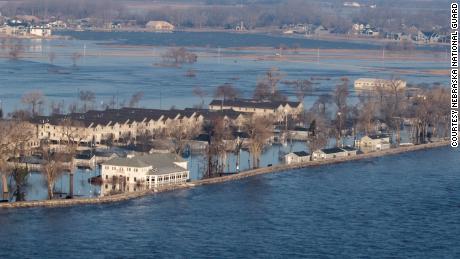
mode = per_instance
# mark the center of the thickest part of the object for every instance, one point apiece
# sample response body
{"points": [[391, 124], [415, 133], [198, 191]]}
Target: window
{"points": [[127, 179], [106, 177], [135, 179]]}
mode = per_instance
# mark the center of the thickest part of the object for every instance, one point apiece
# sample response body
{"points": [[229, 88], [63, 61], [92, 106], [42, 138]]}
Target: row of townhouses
{"points": [[99, 127]]}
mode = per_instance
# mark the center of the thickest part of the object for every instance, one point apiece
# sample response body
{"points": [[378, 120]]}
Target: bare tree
{"points": [[302, 88], [179, 56], [87, 97], [267, 87], [259, 129], [75, 57], [226, 91], [135, 99], [319, 134], [52, 57], [201, 93], [16, 50], [52, 168], [340, 99], [14, 142], [33, 99]]}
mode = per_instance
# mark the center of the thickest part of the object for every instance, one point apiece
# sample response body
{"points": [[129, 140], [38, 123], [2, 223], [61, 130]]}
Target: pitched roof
{"points": [[301, 153], [93, 118], [251, 103], [378, 136], [332, 150], [347, 148]]}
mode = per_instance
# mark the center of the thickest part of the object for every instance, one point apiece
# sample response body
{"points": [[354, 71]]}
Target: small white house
{"points": [[329, 153], [296, 157], [153, 170], [40, 31], [373, 143]]}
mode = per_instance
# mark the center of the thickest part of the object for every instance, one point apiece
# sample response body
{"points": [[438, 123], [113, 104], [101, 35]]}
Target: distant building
{"points": [[321, 31], [373, 143], [296, 157], [159, 26], [370, 84], [366, 30], [352, 4], [40, 31], [428, 37], [240, 27], [153, 170]]}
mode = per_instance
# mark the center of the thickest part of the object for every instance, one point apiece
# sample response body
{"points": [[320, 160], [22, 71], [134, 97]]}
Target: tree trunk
{"points": [[50, 191], [71, 185], [5, 187]]}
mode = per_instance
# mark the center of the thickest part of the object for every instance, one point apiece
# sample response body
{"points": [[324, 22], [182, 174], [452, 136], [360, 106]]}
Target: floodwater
{"points": [[116, 65], [403, 206]]}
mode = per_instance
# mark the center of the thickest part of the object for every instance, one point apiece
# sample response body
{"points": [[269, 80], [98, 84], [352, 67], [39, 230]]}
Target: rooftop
{"points": [[332, 150], [251, 103], [301, 153]]}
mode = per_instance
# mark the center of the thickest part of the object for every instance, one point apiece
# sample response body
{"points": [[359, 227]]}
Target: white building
{"points": [[296, 157], [40, 31], [370, 84], [153, 170], [373, 143]]}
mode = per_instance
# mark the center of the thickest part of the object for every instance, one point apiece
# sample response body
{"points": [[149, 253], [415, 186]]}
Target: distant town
{"points": [[366, 22]]}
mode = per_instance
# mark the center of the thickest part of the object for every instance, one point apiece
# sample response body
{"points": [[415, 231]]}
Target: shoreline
{"points": [[216, 180]]}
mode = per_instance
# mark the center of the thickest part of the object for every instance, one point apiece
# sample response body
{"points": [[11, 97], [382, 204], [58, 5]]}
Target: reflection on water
{"points": [[87, 183]]}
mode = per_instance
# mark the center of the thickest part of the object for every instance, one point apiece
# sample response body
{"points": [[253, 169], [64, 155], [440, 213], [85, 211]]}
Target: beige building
{"points": [[372, 84], [373, 143], [279, 110], [40, 31], [159, 26], [113, 125]]}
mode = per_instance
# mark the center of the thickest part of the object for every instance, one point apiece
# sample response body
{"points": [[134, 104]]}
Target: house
{"points": [[373, 143], [153, 170], [40, 31], [296, 157], [352, 4], [427, 37], [371, 84], [329, 153], [160, 26]]}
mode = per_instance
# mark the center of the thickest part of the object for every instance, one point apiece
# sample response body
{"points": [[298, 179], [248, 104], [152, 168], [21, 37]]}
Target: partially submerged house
{"points": [[153, 170]]}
